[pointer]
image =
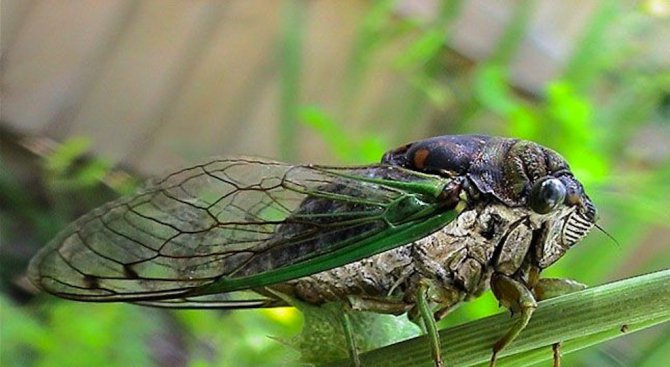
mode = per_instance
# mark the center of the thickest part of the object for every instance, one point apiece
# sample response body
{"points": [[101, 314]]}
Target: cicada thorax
{"points": [[504, 168]]}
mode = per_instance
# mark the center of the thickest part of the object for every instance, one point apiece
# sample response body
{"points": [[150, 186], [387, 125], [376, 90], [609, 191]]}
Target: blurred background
{"points": [[98, 95]]}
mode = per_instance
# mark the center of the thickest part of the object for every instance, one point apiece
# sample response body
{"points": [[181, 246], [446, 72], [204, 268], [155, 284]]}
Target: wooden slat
{"points": [[227, 106], [131, 87], [50, 57]]}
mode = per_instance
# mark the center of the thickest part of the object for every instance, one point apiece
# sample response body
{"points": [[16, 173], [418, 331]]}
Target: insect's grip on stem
{"points": [[429, 323], [519, 299], [556, 349]]}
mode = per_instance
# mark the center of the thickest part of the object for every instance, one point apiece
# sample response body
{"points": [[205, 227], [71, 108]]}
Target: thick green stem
{"points": [[577, 320]]}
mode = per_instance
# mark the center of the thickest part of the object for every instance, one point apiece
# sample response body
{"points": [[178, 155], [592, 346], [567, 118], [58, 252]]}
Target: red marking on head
{"points": [[420, 157]]}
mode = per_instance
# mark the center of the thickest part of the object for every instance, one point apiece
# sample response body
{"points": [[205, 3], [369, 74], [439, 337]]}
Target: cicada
{"points": [[435, 223]]}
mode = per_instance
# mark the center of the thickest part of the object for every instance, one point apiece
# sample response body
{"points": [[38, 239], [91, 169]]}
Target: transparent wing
{"points": [[234, 224]]}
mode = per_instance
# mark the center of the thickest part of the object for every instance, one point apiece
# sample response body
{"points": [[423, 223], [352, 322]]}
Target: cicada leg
{"points": [[429, 322], [552, 287], [515, 296], [549, 288], [377, 305], [556, 351], [519, 299]]}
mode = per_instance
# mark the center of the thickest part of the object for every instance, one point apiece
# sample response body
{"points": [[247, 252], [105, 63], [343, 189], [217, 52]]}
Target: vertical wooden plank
{"points": [[44, 64], [13, 16], [330, 41], [209, 19], [131, 87], [229, 103]]}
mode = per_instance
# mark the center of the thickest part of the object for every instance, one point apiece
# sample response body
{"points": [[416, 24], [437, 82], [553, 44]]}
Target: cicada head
{"points": [[541, 181], [517, 173], [567, 214]]}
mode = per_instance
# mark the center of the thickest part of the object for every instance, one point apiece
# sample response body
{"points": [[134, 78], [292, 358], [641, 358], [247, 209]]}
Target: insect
{"points": [[436, 223]]}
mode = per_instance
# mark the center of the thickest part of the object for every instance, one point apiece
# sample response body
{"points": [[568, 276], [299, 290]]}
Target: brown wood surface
{"points": [[157, 82]]}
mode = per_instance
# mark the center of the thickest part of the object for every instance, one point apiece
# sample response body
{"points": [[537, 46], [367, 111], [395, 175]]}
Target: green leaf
{"points": [[347, 147], [65, 154], [329, 130], [493, 90], [577, 320], [322, 338]]}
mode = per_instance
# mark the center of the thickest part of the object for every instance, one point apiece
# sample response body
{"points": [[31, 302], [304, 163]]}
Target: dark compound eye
{"points": [[546, 195]]}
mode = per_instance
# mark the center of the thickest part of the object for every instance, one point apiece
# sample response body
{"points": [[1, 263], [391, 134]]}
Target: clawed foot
{"points": [[493, 359], [556, 348]]}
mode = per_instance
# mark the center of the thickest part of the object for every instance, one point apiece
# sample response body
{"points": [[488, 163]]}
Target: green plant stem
{"points": [[577, 320]]}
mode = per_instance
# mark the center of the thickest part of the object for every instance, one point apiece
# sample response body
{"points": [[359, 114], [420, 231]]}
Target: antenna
{"points": [[607, 234]]}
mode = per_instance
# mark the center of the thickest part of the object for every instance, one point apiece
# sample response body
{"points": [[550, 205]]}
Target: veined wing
{"points": [[238, 223]]}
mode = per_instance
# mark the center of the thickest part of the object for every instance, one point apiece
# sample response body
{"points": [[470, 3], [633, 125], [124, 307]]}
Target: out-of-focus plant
{"points": [[363, 148], [608, 96]]}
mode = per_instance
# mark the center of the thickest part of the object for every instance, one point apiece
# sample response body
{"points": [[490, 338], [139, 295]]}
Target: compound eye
{"points": [[546, 195]]}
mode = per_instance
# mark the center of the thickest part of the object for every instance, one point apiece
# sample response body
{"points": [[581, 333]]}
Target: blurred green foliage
{"points": [[598, 113], [321, 339]]}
